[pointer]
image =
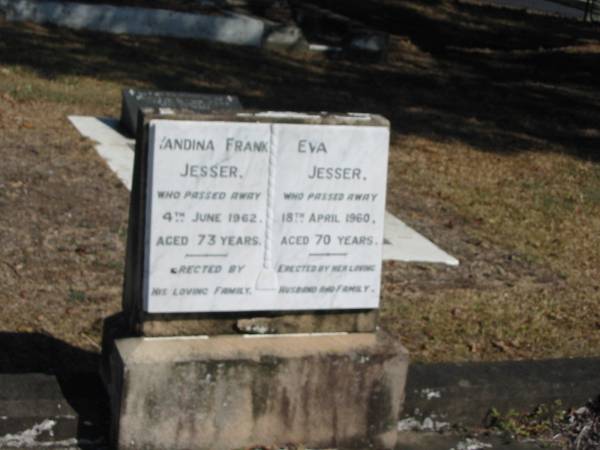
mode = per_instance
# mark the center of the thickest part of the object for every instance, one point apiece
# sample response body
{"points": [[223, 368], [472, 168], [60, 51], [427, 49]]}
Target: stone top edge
{"points": [[140, 94], [320, 118], [148, 350]]}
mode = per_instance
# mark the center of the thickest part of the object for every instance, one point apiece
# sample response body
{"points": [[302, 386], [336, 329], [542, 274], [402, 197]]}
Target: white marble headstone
{"points": [[264, 216]]}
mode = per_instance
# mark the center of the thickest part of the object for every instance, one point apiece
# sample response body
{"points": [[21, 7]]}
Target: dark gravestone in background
{"points": [[133, 100]]}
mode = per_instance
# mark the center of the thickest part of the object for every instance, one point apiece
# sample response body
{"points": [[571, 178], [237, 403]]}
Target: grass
{"points": [[22, 85], [494, 156]]}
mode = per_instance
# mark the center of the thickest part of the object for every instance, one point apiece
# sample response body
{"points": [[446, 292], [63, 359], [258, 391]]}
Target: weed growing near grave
{"points": [[544, 422], [76, 296]]}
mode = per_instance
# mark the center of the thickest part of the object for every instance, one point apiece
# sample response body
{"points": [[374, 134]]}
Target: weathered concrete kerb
{"points": [[52, 411], [464, 393], [225, 392]]}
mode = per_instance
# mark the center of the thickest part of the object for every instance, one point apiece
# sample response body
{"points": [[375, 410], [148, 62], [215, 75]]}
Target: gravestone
{"points": [[133, 100], [268, 223]]}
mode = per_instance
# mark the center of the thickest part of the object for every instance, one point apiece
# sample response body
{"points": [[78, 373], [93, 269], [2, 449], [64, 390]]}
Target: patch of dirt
{"points": [[62, 232]]}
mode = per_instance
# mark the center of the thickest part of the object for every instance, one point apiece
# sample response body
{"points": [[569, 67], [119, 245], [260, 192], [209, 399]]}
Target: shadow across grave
{"points": [[45, 379]]}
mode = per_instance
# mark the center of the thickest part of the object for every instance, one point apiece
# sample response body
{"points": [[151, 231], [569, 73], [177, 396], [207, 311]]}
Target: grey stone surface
{"points": [[133, 100], [51, 411], [463, 393], [327, 391]]}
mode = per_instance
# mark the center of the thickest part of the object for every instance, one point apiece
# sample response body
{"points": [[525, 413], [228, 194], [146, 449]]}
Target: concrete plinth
{"points": [[227, 392]]}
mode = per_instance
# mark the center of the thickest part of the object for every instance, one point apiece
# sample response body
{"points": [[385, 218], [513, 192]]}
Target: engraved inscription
{"points": [[226, 195]]}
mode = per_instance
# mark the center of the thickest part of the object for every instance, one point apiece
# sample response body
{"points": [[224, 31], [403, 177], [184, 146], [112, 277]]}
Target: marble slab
{"points": [[264, 216]]}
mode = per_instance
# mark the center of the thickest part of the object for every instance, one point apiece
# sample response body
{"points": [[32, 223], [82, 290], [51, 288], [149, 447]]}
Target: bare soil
{"points": [[495, 156]]}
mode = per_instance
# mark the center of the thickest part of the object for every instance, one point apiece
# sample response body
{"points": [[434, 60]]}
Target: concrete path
{"points": [[542, 6], [402, 243]]}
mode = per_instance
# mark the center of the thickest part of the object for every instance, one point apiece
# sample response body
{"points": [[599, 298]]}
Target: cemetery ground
{"points": [[494, 156]]}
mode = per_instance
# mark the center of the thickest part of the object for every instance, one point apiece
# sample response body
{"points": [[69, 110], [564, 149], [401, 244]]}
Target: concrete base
{"points": [[227, 392]]}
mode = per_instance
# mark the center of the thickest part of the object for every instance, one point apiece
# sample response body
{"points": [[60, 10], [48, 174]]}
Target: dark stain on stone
{"points": [[380, 409], [152, 405], [261, 385], [304, 399], [286, 406]]}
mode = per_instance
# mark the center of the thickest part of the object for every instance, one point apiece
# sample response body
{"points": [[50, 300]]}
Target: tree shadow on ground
{"points": [[36, 352], [493, 79], [437, 25]]}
